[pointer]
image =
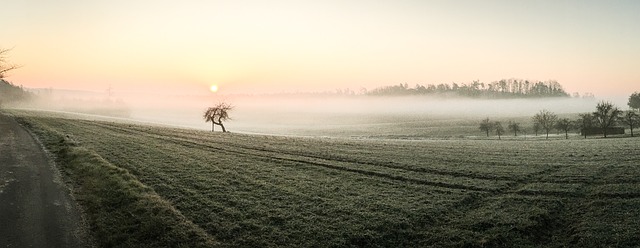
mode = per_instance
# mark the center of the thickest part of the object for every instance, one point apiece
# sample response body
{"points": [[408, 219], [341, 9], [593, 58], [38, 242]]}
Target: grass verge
{"points": [[121, 211]]}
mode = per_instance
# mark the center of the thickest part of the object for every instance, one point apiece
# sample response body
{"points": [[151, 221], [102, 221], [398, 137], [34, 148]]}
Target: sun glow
{"points": [[214, 88]]}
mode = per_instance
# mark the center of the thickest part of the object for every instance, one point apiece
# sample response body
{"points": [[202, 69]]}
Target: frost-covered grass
{"points": [[262, 191]]}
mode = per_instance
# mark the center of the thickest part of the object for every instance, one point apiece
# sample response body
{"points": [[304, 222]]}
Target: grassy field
{"points": [[241, 190]]}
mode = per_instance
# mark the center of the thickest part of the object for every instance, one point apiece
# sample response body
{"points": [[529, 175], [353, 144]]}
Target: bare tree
{"points": [[514, 127], [486, 125], [606, 116], [536, 127], [546, 120], [217, 114], [499, 129], [632, 119], [4, 65], [585, 123], [565, 125]]}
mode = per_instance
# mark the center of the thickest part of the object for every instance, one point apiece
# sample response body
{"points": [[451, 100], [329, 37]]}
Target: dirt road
{"points": [[35, 207]]}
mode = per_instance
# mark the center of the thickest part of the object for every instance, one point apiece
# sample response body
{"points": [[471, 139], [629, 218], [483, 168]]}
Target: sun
{"points": [[213, 88]]}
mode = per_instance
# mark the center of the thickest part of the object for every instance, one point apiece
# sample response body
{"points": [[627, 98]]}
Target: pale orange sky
{"points": [[252, 46]]}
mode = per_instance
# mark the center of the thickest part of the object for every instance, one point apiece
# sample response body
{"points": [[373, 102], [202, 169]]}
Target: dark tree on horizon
{"points": [[585, 122], [486, 125], [536, 127], [217, 114], [565, 125], [514, 127], [606, 116], [634, 101], [632, 119], [546, 120], [499, 129]]}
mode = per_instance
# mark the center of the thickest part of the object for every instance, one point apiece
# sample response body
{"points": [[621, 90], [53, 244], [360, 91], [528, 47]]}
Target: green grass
{"points": [[265, 191]]}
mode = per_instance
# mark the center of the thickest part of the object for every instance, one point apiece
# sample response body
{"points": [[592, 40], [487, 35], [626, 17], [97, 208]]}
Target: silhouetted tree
{"points": [[4, 65], [536, 127], [632, 119], [606, 116], [514, 127], [565, 125], [584, 123], [217, 114], [634, 101], [499, 129], [546, 120], [486, 125]]}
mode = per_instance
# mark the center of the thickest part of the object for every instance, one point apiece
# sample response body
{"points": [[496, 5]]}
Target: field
{"points": [[244, 190]]}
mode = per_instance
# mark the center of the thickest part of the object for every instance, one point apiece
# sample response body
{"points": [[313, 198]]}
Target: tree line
{"points": [[604, 120], [10, 93], [505, 88]]}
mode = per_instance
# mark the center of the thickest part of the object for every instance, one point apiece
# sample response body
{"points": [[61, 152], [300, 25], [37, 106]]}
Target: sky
{"points": [[261, 46]]}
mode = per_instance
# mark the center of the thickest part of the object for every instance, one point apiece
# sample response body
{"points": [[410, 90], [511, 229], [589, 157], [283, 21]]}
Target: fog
{"points": [[308, 114]]}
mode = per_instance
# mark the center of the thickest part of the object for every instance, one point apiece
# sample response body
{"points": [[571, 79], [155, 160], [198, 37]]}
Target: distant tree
{"points": [[514, 127], [536, 127], [217, 114], [499, 129], [606, 116], [632, 119], [546, 120], [565, 125], [634, 101], [486, 125], [4, 65], [585, 122]]}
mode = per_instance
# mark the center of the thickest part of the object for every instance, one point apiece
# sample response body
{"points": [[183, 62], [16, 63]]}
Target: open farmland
{"points": [[257, 191]]}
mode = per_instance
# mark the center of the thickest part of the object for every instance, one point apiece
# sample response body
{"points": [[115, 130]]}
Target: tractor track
{"points": [[513, 185]]}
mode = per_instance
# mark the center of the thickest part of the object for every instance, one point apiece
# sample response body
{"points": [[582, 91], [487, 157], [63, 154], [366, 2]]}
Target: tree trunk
{"points": [[566, 134], [631, 127], [487, 133], [547, 134], [213, 124], [221, 125]]}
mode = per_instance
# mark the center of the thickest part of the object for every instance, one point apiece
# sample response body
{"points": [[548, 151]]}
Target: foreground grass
{"points": [[259, 191], [121, 211]]}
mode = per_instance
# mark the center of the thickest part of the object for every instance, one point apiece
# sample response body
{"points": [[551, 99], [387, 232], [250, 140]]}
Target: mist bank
{"points": [[388, 116], [314, 115]]}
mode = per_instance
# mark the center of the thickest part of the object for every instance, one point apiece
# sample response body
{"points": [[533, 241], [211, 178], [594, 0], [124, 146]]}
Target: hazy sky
{"points": [[274, 46]]}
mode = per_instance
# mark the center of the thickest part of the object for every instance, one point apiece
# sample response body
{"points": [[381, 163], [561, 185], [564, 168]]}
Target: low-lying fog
{"points": [[317, 115]]}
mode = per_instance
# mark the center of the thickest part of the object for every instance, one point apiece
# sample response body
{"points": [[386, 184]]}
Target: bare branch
{"points": [[4, 65]]}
